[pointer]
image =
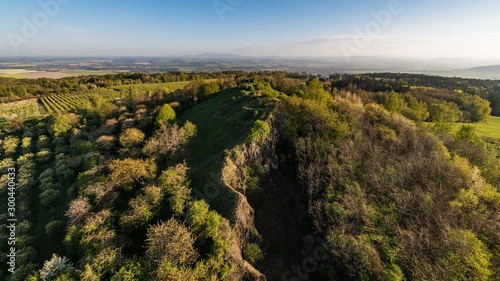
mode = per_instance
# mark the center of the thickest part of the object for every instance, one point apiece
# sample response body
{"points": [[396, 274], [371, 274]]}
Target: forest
{"points": [[239, 175]]}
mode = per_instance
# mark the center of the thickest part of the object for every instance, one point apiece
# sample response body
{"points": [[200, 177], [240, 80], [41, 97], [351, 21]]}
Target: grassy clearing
{"points": [[223, 122], [153, 87], [489, 129]]}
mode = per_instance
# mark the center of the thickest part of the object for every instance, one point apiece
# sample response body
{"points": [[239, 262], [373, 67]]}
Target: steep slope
{"points": [[386, 198], [223, 123]]}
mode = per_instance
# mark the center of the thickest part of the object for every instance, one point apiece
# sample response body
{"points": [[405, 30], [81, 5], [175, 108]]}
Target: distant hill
{"points": [[488, 69], [218, 56]]}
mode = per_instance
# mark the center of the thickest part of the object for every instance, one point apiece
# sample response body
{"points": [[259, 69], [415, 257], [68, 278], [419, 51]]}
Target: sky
{"points": [[289, 28]]}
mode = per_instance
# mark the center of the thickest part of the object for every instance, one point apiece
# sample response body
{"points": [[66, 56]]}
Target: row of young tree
{"points": [[115, 195]]}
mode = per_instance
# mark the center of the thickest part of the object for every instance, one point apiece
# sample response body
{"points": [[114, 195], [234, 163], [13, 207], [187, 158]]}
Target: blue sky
{"points": [[405, 28]]}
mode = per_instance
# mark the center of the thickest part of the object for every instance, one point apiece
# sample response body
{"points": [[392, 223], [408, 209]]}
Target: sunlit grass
{"points": [[489, 129]]}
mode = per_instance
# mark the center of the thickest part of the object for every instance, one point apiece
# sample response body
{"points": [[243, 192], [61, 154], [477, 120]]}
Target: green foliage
{"points": [[478, 108], [81, 147], [63, 171], [414, 109], [131, 137], [132, 270], [350, 178], [316, 91], [198, 212], [174, 181], [128, 171], [170, 241], [208, 89], [259, 132], [10, 145], [165, 114], [253, 253], [444, 112], [467, 257], [143, 208], [190, 129], [60, 125], [361, 193], [54, 228], [393, 103], [468, 133]]}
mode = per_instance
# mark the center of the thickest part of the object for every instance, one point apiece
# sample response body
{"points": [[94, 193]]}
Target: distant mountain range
{"points": [[487, 69]]}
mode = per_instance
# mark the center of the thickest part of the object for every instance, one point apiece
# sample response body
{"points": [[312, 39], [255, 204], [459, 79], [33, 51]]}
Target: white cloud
{"points": [[387, 45], [76, 33]]}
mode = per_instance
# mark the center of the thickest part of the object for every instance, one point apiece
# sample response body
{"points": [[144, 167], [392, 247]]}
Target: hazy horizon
{"points": [[390, 28]]}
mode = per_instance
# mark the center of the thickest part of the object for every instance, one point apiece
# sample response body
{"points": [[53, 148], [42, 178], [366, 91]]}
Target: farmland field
{"points": [[62, 103], [55, 104], [33, 74], [78, 72], [24, 108]]}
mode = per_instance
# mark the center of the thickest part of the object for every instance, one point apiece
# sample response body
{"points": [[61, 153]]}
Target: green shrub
{"points": [[253, 253], [165, 114], [259, 132]]}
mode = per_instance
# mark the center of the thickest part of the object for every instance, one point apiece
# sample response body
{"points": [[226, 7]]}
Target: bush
{"points": [[60, 125], [131, 137], [54, 228], [259, 132], [55, 267], [129, 171], [165, 114], [175, 183], [10, 145], [467, 258], [190, 130], [106, 143], [170, 241], [253, 253], [168, 138], [133, 269]]}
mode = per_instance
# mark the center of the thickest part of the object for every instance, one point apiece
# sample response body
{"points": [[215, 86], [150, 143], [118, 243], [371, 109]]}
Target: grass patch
{"points": [[486, 130], [490, 129]]}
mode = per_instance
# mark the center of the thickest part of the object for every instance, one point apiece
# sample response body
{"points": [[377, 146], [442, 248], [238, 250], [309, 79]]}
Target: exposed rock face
{"points": [[234, 176]]}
